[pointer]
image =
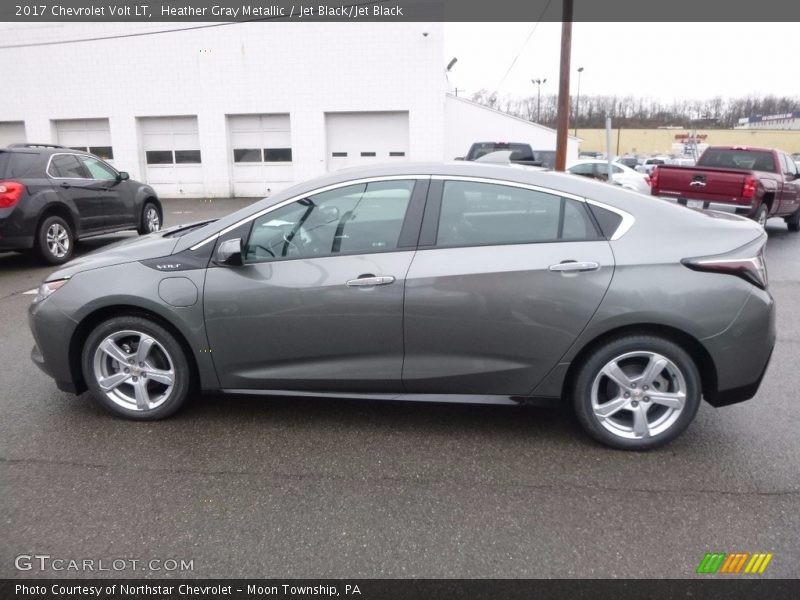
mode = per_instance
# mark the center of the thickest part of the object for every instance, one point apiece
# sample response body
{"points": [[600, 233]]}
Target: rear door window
{"points": [[481, 214], [67, 166]]}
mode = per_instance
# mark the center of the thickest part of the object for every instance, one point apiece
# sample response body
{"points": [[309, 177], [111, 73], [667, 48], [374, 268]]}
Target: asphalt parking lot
{"points": [[323, 488]]}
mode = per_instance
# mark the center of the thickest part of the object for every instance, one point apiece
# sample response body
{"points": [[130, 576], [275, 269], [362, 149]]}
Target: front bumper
{"points": [[727, 207], [52, 332]]}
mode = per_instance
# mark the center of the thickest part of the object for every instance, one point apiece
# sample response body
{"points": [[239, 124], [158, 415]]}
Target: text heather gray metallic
{"points": [[457, 283]]}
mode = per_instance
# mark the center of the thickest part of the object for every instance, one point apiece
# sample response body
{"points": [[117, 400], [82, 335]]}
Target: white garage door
{"points": [[89, 135], [12, 132], [360, 138], [172, 156], [261, 154]]}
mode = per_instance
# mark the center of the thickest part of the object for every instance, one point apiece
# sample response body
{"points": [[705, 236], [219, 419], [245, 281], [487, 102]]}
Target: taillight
{"points": [[749, 187], [653, 179], [647, 180], [746, 262], [10, 193]]}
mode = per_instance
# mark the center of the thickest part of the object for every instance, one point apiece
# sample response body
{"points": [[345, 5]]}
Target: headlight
{"points": [[47, 288]]}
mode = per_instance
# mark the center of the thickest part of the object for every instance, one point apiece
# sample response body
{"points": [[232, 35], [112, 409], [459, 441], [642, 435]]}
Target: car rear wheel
{"points": [[55, 240], [136, 368], [637, 392], [151, 219]]}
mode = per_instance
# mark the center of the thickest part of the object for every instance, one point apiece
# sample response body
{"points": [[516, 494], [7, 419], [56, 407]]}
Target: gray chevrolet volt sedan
{"points": [[448, 283]]}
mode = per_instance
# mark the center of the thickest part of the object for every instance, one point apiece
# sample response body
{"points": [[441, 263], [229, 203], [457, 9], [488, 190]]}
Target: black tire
{"points": [[55, 240], [761, 216], [612, 431], [793, 222], [146, 224], [166, 355]]}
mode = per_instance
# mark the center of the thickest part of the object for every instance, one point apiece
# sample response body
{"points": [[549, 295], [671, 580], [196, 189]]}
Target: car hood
{"points": [[133, 249]]}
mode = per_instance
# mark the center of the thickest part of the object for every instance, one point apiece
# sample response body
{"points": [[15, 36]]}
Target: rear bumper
{"points": [[22, 242], [734, 209], [742, 352]]}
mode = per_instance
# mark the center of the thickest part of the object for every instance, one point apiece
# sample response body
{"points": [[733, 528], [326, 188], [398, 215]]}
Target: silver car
{"points": [[448, 283]]}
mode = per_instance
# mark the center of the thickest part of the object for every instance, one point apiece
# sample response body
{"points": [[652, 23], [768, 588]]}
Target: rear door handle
{"points": [[697, 183], [370, 281], [64, 184], [573, 265]]}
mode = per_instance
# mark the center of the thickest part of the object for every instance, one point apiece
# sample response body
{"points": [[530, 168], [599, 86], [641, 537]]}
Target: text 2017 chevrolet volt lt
{"points": [[449, 283], [51, 196]]}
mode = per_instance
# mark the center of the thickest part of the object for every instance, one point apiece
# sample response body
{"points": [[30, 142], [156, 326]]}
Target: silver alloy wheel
{"points": [[57, 240], [152, 219], [134, 370], [638, 395]]}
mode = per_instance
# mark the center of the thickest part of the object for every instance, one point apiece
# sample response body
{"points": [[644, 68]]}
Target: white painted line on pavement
{"points": [[33, 291]]}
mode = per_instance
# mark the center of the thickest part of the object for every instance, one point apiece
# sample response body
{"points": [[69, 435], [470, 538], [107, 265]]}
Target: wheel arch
{"points": [[93, 319], [695, 349]]}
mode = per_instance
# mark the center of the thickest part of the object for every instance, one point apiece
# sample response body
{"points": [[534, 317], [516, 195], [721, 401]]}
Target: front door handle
{"points": [[370, 281], [573, 265], [64, 184]]}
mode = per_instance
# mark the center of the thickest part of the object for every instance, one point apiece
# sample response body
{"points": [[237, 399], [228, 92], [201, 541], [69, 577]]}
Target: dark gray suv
{"points": [[447, 283], [51, 196]]}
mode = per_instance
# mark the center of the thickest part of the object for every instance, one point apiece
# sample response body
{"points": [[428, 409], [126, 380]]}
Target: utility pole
{"points": [[538, 83], [562, 128]]}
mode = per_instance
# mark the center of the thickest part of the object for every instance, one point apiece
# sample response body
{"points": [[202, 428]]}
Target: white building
{"points": [[242, 109], [782, 121]]}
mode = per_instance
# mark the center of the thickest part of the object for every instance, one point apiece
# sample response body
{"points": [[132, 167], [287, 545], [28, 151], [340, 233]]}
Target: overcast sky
{"points": [[661, 60]]}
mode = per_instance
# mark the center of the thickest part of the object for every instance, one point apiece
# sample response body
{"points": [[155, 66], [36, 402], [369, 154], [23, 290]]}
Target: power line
{"points": [[162, 31], [528, 39]]}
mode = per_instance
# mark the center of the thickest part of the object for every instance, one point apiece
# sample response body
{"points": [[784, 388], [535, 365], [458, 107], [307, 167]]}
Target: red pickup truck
{"points": [[755, 182]]}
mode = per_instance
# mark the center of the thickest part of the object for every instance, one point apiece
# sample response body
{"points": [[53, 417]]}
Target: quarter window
{"points": [[479, 214], [357, 219]]}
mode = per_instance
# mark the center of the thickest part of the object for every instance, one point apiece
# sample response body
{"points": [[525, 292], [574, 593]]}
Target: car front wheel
{"points": [[151, 219], [637, 392], [136, 368]]}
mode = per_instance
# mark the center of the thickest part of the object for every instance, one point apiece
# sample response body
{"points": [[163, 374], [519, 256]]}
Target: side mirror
{"points": [[230, 253], [123, 176]]}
